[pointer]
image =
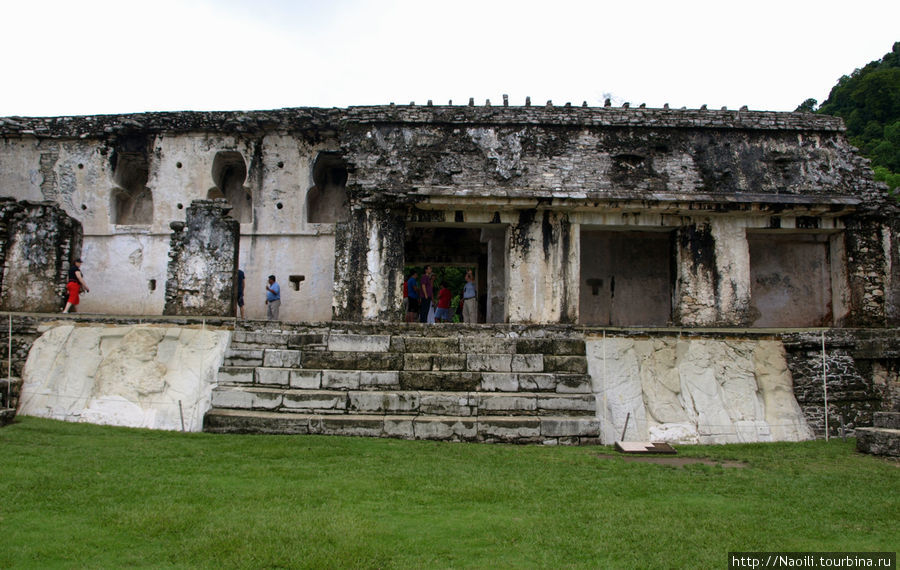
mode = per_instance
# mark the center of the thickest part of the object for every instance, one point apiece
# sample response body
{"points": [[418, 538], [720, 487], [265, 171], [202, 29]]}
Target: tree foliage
{"points": [[869, 102]]}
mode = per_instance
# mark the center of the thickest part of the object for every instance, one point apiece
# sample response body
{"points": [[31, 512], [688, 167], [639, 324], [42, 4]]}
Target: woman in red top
{"points": [[442, 314]]}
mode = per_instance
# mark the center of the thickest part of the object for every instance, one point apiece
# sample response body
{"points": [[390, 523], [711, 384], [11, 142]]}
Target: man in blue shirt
{"points": [[273, 299], [412, 290]]}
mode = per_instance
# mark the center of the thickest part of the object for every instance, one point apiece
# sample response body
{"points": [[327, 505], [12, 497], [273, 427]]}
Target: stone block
{"points": [[573, 384], [512, 430], [417, 361], [440, 381], [382, 380], [352, 360], [570, 427], [352, 425], [305, 341], [267, 400], [235, 375], [534, 346], [383, 402], [243, 357], [445, 428], [568, 347], [499, 382], [232, 421], [489, 362], [432, 345], [449, 361], [315, 400], [399, 426], [878, 441], [277, 376], [446, 403], [527, 363], [889, 420], [232, 398], [306, 379], [487, 345], [538, 382], [567, 364], [568, 403], [358, 343], [504, 404], [340, 379], [281, 358]]}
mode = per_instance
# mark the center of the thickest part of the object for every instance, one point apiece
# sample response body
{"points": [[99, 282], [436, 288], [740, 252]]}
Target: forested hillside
{"points": [[869, 102]]}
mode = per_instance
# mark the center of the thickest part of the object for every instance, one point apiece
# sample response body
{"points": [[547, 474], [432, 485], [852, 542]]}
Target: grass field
{"points": [[84, 496]]}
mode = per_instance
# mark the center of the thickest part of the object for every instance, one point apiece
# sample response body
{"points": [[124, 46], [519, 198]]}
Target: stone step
{"points": [[315, 379], [499, 429], [466, 404], [345, 360], [878, 441]]}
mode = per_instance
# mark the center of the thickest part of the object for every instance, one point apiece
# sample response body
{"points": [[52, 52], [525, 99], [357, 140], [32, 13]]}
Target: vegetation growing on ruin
{"points": [[869, 102], [87, 496]]}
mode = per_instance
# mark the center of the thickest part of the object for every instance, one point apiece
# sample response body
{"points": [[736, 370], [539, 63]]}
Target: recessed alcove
{"points": [[229, 172], [327, 201], [131, 202]]}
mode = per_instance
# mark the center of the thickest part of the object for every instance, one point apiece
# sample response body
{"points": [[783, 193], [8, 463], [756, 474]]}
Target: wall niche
{"points": [[229, 172]]}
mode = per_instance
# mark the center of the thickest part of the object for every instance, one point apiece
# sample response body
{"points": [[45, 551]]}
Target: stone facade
{"points": [[340, 201]]}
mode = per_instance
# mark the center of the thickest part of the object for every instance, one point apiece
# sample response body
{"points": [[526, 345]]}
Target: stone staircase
{"points": [[479, 383]]}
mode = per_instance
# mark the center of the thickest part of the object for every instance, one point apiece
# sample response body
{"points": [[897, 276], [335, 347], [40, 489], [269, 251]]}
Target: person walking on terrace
{"points": [[75, 285], [273, 299], [412, 290]]}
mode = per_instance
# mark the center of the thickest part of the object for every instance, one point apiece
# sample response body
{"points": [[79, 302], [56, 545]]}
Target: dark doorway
{"points": [[626, 278]]}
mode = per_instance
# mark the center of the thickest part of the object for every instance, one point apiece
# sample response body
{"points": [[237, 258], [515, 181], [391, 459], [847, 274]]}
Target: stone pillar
{"points": [[496, 274], [733, 268], [203, 260], [38, 242], [368, 266], [869, 271], [695, 286], [542, 262]]}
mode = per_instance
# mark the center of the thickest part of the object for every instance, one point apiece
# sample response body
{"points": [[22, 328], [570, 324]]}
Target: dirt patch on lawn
{"points": [[673, 461]]}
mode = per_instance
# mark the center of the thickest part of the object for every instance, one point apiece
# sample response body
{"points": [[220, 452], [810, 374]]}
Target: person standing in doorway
{"points": [[442, 314], [412, 290], [427, 289], [470, 300], [273, 299], [240, 292], [75, 285]]}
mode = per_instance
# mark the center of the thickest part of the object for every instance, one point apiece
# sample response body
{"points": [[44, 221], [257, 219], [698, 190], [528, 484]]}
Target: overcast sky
{"points": [[82, 57]]}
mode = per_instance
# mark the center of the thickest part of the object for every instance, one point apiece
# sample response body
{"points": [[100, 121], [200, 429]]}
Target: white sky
{"points": [[68, 57]]}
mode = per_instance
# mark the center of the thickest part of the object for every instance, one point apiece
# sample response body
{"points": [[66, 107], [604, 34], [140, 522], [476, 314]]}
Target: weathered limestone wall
{"points": [[38, 242], [136, 376], [203, 257], [693, 390]]}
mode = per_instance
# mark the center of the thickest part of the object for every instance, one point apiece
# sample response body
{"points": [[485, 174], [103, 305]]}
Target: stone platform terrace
{"points": [[512, 384]]}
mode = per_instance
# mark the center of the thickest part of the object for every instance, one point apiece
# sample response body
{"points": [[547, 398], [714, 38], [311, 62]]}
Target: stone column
{"points": [[695, 286], [368, 266], [496, 274], [38, 242], [869, 271], [732, 258], [542, 268], [203, 258]]}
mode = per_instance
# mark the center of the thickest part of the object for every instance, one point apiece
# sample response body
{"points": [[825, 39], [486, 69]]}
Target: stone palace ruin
{"points": [[699, 272]]}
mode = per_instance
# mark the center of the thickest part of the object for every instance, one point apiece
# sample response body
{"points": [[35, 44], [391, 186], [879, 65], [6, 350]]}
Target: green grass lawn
{"points": [[85, 496]]}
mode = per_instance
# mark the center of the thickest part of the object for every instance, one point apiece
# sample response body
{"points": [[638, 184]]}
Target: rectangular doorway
{"points": [[626, 278]]}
